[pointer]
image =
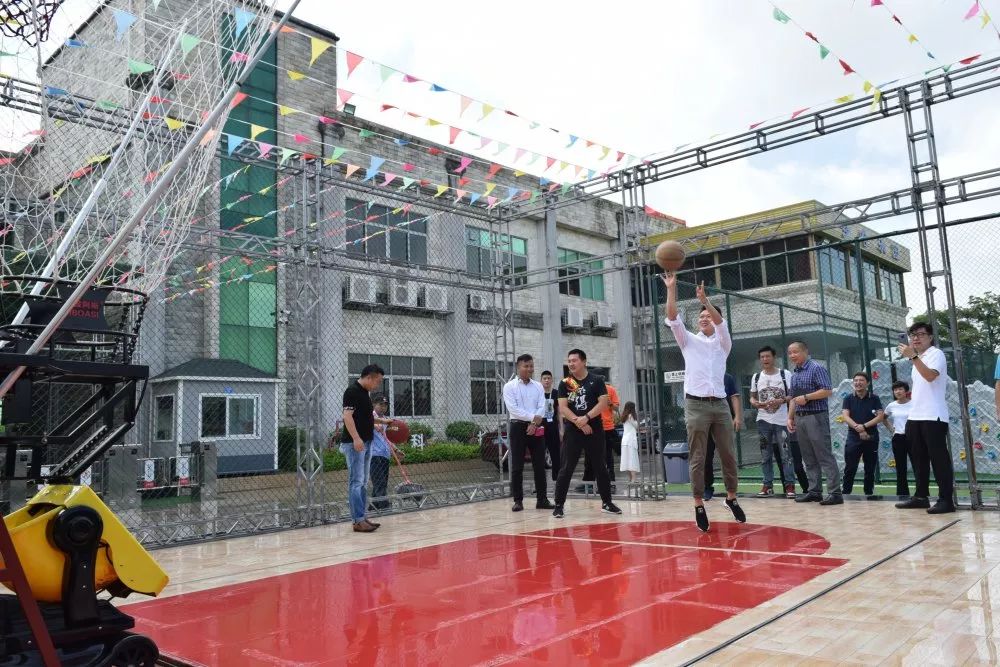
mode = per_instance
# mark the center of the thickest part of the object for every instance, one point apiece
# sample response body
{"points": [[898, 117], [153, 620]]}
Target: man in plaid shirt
{"points": [[808, 415]]}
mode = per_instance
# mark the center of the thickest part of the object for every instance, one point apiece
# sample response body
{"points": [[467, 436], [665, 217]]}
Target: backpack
{"points": [[781, 372]]}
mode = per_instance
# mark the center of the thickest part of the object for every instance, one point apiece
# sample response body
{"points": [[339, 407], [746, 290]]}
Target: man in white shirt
{"points": [[705, 408], [769, 394], [896, 414], [525, 401], [927, 425]]}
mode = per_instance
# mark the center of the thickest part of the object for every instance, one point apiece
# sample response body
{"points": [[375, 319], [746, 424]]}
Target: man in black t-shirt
{"points": [[582, 399], [356, 440], [862, 412]]}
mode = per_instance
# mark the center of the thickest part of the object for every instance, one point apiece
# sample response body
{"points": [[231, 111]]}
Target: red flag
{"points": [[344, 96], [386, 107], [434, 151], [494, 168], [797, 112], [620, 156], [754, 126], [236, 100], [408, 167], [812, 37], [463, 181], [353, 60], [549, 161], [876, 3], [970, 59], [847, 68], [408, 78]]}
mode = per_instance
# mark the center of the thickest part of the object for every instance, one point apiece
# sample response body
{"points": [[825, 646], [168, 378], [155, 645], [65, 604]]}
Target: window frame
{"points": [[388, 388], [506, 247], [388, 228], [173, 417], [256, 421], [584, 284]]}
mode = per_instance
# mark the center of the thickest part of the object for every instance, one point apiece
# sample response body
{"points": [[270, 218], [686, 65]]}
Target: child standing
{"points": [[381, 451], [630, 442]]}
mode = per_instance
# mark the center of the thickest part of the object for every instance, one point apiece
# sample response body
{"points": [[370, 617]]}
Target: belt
{"points": [[692, 397], [809, 412], [519, 421]]}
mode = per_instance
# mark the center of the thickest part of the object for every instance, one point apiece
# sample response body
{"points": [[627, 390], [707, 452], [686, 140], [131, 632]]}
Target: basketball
{"points": [[670, 255], [397, 432]]}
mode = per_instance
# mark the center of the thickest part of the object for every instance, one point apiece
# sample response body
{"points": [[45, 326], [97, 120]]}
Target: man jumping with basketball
{"points": [[705, 409]]}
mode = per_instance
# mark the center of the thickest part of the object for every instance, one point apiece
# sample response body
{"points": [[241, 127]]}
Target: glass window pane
{"points": [[402, 398], [163, 423], [242, 416], [705, 275], [421, 365], [355, 231], [730, 275], [478, 388], [375, 246], [262, 305], [520, 246], [234, 343], [421, 397], [775, 268], [382, 361], [233, 301], [491, 398], [402, 366], [213, 416], [586, 288], [398, 246], [598, 288], [262, 349], [418, 223], [472, 259], [355, 362], [418, 249]]}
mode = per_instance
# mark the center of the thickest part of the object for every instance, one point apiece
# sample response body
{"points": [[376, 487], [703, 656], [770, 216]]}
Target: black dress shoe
{"points": [[544, 505], [941, 508], [832, 500], [518, 507], [809, 498], [914, 503]]}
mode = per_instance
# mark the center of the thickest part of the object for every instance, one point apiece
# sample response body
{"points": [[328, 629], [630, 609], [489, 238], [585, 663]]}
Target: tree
{"points": [[978, 323]]}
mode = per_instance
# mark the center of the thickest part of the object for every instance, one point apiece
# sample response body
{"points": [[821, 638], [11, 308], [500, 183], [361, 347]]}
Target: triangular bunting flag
{"points": [[407, 78], [265, 149], [489, 188], [844, 99], [300, 138], [867, 86], [407, 182], [188, 42], [285, 154], [351, 168], [385, 72], [462, 182], [494, 168], [876, 98], [353, 60], [389, 178], [796, 113], [256, 130], [972, 10], [572, 140], [232, 143], [487, 110], [138, 67], [285, 110], [364, 134], [474, 197], [501, 147], [847, 68], [463, 165], [780, 16], [438, 89], [464, 103], [408, 167], [237, 99], [970, 59], [243, 19], [317, 47], [295, 76], [373, 168], [518, 173], [441, 189], [173, 123], [453, 133], [911, 39], [459, 194], [549, 161], [823, 52], [338, 152], [519, 153], [123, 21], [344, 96]]}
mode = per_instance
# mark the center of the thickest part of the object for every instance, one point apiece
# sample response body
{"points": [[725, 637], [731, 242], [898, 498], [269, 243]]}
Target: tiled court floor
{"points": [[931, 605]]}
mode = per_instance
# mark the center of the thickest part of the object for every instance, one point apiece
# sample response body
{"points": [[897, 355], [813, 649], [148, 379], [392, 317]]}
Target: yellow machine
{"points": [[122, 565]]}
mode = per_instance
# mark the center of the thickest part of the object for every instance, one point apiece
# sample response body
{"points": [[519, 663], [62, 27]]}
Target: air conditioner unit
{"points": [[602, 320], [572, 318], [402, 294], [479, 303], [362, 289], [436, 298]]}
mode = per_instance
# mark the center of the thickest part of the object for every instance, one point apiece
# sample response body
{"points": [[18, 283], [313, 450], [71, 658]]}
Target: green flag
{"points": [[188, 42], [781, 16], [139, 67], [823, 52]]}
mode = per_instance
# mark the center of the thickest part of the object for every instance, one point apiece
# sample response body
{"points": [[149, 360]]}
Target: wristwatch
{"points": [[914, 357]]}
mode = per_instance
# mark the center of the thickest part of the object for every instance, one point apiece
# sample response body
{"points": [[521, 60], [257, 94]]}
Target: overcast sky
{"points": [[646, 77]]}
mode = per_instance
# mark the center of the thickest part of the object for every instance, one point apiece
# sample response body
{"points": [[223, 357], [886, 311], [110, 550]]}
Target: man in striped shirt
{"points": [[809, 416]]}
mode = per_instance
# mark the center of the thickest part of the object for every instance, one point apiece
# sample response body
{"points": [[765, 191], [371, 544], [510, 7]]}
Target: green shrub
{"points": [[286, 447], [422, 429], [462, 431], [333, 460], [440, 451]]}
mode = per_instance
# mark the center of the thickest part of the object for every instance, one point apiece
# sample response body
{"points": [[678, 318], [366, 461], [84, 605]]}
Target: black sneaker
{"points": [[544, 505], [518, 507], [832, 500], [611, 508], [914, 503], [558, 512], [941, 507], [872, 496], [737, 511], [809, 498], [701, 518]]}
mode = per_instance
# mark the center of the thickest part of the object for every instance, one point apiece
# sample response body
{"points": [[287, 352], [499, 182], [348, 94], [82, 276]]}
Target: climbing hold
{"points": [[892, 463]]}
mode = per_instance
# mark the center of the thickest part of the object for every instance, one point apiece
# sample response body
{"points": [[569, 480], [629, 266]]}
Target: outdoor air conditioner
{"points": [[402, 294], [435, 298], [479, 303], [362, 289], [602, 319], [572, 318]]}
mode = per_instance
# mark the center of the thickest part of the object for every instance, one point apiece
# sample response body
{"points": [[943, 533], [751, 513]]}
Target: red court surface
{"points": [[599, 595]]}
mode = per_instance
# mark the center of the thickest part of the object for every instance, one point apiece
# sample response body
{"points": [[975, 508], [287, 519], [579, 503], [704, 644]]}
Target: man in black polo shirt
{"points": [[862, 412], [582, 398], [356, 441]]}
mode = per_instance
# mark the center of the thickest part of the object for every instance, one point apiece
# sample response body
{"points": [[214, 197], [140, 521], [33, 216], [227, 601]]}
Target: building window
{"points": [[799, 266], [163, 418], [870, 274], [588, 287], [380, 232], [480, 251], [406, 385], [833, 267], [450, 165], [892, 286], [229, 416], [705, 275], [485, 387]]}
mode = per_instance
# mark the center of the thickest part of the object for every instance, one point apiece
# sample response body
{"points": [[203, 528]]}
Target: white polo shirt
{"points": [[928, 398], [704, 358]]}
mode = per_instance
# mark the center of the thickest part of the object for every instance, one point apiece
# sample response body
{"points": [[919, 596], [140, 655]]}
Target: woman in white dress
{"points": [[630, 442]]}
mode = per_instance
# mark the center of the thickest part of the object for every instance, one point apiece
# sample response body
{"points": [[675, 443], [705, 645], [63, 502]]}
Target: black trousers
{"points": [[575, 443], [380, 480], [610, 440], [800, 470], [853, 453], [929, 449], [519, 441], [553, 445], [900, 452]]}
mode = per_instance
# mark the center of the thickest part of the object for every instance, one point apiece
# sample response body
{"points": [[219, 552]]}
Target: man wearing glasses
{"points": [[927, 426]]}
